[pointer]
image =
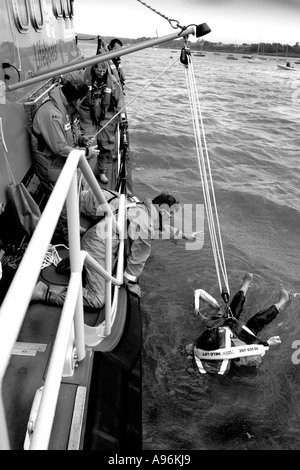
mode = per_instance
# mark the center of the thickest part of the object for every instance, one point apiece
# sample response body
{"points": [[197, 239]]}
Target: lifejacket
{"points": [[209, 361], [99, 99], [214, 366]]}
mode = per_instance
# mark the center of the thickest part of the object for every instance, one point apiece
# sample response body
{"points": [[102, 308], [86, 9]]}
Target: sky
{"points": [[231, 21]]}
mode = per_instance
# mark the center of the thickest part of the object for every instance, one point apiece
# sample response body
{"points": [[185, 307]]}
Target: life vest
{"points": [[209, 361], [99, 98], [214, 366]]}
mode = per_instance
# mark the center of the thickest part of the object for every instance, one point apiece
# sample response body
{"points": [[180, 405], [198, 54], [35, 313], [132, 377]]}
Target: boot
{"points": [[103, 178]]}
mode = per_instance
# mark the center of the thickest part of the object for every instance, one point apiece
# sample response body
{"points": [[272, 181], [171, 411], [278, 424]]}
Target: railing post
{"points": [[108, 268], [75, 262], [4, 439]]}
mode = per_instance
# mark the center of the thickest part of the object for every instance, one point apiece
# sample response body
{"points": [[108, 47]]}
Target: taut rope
{"points": [[174, 23], [205, 173]]}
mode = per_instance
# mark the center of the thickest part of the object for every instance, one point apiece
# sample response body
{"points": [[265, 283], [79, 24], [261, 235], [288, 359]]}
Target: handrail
{"points": [[25, 280], [56, 71]]}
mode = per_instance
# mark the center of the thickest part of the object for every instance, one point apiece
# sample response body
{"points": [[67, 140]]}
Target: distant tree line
{"points": [[274, 48], [202, 45]]}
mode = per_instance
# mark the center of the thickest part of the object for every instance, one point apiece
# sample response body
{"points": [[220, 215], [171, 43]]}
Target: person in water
{"points": [[142, 218], [226, 337]]}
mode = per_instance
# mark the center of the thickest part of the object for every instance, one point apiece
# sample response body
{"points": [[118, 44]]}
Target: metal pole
{"points": [[108, 268], [75, 262], [99, 58], [4, 438]]}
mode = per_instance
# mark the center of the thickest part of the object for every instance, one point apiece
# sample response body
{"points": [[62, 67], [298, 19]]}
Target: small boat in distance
{"points": [[286, 67], [231, 57], [254, 60]]}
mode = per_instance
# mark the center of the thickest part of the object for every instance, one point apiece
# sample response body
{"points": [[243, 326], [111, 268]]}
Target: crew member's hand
{"points": [[92, 152], [88, 140], [191, 236]]}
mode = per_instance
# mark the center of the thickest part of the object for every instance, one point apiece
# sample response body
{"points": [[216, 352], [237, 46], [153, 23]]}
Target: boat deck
{"points": [[99, 407]]}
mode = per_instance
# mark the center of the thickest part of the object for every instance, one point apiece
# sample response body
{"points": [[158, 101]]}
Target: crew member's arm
{"points": [[54, 132], [139, 232], [176, 234]]}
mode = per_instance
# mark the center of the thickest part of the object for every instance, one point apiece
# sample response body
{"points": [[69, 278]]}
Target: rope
{"points": [[134, 98], [176, 23], [52, 256], [206, 176]]}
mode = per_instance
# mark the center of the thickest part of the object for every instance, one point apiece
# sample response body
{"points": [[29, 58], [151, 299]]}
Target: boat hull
{"points": [[284, 67]]}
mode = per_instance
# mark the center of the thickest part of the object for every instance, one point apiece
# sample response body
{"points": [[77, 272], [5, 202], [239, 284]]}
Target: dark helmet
{"points": [[75, 89], [209, 340], [113, 42]]}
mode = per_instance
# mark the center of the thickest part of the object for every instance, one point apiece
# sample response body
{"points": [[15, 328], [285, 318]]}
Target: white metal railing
{"points": [[71, 326]]}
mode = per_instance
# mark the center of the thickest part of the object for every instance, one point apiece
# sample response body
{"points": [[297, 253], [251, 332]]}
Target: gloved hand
{"points": [[188, 236], [91, 152], [193, 235], [88, 141], [133, 287]]}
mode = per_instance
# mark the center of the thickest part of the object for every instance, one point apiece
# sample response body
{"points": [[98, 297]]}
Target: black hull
{"points": [[114, 413]]}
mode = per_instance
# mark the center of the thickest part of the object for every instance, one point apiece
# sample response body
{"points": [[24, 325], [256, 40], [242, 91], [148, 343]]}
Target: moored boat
{"points": [[254, 60], [286, 67]]}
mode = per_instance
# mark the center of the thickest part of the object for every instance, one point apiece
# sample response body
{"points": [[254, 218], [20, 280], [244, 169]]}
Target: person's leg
{"points": [[264, 317], [238, 300], [106, 144], [42, 292]]}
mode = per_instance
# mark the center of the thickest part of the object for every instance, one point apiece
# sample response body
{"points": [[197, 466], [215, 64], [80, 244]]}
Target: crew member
{"points": [[103, 101], [55, 133], [142, 219], [114, 45]]}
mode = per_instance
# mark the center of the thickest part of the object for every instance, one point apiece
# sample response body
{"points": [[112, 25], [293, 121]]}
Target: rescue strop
{"points": [[231, 353]]}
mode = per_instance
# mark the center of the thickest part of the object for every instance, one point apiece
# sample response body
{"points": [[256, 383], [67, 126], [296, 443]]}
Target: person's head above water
{"points": [[209, 340]]}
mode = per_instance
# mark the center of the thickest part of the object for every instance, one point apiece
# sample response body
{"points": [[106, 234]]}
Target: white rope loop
{"points": [[206, 176]]}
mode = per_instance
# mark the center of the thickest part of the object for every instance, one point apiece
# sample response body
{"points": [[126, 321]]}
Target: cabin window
{"points": [[57, 8], [37, 17], [21, 15], [70, 6], [67, 9]]}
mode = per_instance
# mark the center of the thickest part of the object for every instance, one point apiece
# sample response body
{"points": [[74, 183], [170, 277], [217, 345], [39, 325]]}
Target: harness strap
{"points": [[224, 364], [231, 353], [228, 336]]}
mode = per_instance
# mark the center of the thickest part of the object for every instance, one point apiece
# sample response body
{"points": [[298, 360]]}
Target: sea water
{"points": [[251, 117]]}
